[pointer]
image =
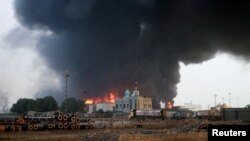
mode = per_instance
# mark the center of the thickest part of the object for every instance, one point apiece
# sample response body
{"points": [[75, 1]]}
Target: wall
{"points": [[236, 114]]}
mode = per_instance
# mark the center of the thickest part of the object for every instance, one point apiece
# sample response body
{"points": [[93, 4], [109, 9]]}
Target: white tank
{"points": [[106, 106]]}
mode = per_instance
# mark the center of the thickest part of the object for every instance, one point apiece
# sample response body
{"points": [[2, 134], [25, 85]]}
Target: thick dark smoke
{"points": [[107, 45]]}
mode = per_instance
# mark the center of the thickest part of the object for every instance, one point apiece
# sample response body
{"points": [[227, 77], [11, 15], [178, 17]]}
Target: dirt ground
{"points": [[184, 130], [66, 135], [99, 135]]}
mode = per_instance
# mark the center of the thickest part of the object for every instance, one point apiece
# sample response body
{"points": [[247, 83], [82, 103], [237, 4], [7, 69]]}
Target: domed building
{"points": [[127, 93], [133, 101]]}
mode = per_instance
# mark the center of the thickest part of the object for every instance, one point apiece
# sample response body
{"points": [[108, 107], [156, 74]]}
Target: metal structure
{"points": [[160, 114], [215, 96], [66, 75], [232, 114], [229, 102]]}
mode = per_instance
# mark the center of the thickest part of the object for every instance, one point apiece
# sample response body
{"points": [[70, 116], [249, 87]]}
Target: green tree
{"points": [[23, 105], [73, 105], [45, 104], [50, 103], [247, 106], [81, 105], [39, 104]]}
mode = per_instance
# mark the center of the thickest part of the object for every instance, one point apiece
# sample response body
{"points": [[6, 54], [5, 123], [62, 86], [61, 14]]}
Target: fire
{"points": [[89, 101], [109, 98], [112, 98], [169, 105]]}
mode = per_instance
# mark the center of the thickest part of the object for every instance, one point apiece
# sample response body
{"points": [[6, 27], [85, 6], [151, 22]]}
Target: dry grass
{"points": [[201, 136], [159, 132], [80, 136], [167, 124], [42, 136]]}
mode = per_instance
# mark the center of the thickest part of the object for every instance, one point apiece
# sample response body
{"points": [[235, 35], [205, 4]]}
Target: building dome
{"points": [[127, 93]]}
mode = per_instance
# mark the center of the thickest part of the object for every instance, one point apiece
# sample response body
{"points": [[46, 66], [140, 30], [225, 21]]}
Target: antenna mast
{"points": [[66, 75]]}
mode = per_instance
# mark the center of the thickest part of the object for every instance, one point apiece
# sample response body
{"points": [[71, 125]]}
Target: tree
{"points": [[39, 104], [81, 105], [23, 105], [73, 105], [247, 106], [50, 104], [45, 104]]}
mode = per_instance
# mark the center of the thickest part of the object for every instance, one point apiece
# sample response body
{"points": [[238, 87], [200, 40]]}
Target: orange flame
{"points": [[169, 105], [110, 98], [89, 101]]}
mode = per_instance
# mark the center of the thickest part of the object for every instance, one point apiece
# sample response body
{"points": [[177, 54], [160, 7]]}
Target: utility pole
{"points": [[122, 110], [229, 100], [83, 100], [66, 75], [237, 102], [223, 100], [215, 96]]}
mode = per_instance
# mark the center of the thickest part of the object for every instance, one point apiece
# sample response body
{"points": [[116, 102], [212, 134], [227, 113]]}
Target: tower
{"points": [[136, 91], [66, 75]]}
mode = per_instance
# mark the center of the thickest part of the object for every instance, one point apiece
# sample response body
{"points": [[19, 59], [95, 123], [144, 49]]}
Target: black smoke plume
{"points": [[107, 45]]}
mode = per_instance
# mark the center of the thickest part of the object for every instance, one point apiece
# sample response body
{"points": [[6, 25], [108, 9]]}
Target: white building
{"points": [[105, 107], [133, 102], [91, 108]]}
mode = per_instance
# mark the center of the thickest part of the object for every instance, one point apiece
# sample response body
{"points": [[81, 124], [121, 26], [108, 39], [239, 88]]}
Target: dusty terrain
{"points": [[151, 130]]}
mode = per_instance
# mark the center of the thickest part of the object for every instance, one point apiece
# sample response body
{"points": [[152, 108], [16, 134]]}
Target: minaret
{"points": [[136, 91]]}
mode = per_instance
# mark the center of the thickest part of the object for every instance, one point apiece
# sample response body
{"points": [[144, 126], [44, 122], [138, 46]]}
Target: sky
{"points": [[25, 73], [219, 76]]}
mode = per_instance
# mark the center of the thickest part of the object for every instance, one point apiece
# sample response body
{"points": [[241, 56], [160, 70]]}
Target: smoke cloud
{"points": [[107, 45], [3, 102]]}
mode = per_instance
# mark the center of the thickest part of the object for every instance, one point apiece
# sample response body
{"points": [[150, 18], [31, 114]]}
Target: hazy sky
{"points": [[222, 75], [24, 73]]}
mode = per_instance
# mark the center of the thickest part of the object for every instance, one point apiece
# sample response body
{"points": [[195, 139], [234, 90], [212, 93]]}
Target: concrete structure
{"points": [[235, 114], [91, 108], [133, 102], [104, 106]]}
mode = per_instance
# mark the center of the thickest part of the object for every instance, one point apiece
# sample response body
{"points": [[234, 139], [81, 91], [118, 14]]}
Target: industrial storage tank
{"points": [[105, 106], [91, 108]]}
